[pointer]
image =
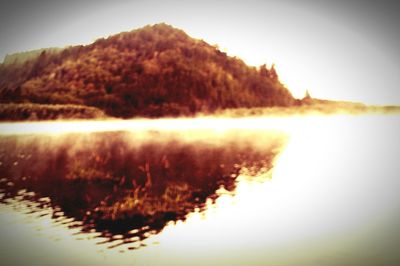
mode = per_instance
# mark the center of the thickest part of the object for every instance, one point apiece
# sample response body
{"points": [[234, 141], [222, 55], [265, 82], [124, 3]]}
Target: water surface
{"points": [[309, 190]]}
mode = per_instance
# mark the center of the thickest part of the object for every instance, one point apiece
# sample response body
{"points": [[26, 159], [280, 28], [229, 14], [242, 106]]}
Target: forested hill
{"points": [[152, 71]]}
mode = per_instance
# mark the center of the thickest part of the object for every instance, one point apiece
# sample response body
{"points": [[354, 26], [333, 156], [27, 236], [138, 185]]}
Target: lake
{"points": [[288, 190]]}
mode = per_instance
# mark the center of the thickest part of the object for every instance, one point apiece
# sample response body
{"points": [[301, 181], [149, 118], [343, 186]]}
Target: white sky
{"points": [[342, 51]]}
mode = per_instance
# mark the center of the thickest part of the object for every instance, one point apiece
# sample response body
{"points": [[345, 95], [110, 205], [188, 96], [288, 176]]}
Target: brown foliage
{"points": [[153, 71]]}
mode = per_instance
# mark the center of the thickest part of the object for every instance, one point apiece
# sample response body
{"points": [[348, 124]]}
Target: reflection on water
{"points": [[310, 191], [127, 186]]}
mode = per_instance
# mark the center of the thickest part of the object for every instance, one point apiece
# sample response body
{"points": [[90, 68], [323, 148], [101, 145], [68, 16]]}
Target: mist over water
{"points": [[312, 190]]}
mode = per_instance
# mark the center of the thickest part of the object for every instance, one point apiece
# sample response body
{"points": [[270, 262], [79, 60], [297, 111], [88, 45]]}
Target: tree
{"points": [[272, 73]]}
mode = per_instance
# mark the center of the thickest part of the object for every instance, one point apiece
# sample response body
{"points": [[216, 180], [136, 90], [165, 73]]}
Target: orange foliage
{"points": [[153, 71]]}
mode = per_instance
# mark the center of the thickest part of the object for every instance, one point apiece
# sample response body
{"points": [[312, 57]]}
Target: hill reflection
{"points": [[127, 183]]}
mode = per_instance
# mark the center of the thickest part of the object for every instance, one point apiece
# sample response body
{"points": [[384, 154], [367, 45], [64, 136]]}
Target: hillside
{"points": [[153, 71]]}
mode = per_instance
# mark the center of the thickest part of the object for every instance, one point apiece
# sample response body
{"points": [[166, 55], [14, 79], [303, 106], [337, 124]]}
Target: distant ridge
{"points": [[22, 57]]}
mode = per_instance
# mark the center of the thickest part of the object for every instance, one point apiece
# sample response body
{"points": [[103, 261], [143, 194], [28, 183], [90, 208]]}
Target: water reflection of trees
{"points": [[116, 183]]}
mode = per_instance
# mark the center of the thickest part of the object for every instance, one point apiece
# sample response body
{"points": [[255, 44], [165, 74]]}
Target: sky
{"points": [[343, 50]]}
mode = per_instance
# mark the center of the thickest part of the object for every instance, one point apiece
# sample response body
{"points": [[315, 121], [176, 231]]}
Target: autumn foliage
{"points": [[153, 71]]}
